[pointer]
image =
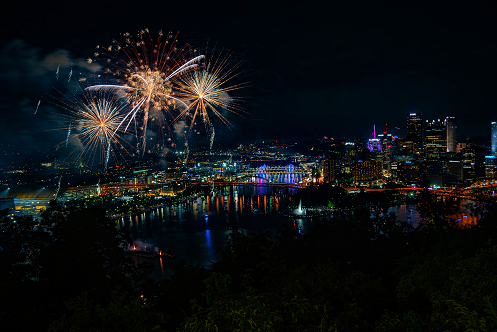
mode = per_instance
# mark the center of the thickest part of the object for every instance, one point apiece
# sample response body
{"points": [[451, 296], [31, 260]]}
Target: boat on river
{"points": [[148, 254]]}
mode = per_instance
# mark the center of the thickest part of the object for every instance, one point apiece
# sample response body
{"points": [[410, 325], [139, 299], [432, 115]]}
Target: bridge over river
{"points": [[276, 175], [267, 176]]}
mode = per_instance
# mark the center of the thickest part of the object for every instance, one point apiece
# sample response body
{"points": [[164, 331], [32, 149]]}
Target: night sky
{"points": [[314, 69]]}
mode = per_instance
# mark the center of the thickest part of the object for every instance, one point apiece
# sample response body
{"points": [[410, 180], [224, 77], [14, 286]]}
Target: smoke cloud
{"points": [[27, 78]]}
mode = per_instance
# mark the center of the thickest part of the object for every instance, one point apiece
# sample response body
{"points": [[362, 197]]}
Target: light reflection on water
{"points": [[193, 230], [409, 213]]}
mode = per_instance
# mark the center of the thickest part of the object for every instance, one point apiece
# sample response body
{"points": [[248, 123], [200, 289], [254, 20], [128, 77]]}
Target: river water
{"points": [[193, 230]]}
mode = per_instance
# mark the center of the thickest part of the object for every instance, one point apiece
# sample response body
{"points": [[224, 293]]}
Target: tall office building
{"points": [[490, 167], [386, 142], [435, 138], [366, 172], [328, 170], [451, 133], [494, 137], [374, 143], [414, 131]]}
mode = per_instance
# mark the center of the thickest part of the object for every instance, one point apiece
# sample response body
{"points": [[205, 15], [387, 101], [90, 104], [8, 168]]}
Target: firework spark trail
{"points": [[213, 133], [68, 134], [187, 151], [70, 74], [58, 188], [136, 131], [146, 70], [132, 112], [189, 65], [57, 72], [107, 157], [36, 110], [106, 87]]}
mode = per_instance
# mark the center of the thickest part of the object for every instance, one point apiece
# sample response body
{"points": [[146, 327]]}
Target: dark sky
{"points": [[314, 68]]}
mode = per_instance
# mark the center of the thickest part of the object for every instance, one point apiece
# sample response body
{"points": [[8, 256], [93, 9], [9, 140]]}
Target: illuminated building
{"points": [[414, 132], [494, 137], [490, 167], [455, 167], [27, 202], [329, 170], [440, 180], [406, 171], [366, 172], [473, 158], [435, 138], [374, 143], [386, 142], [451, 133], [461, 146], [349, 155]]}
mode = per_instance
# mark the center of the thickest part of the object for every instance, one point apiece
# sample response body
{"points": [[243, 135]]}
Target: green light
{"points": [[143, 170]]}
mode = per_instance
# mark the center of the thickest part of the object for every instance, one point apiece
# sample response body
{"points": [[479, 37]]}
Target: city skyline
{"points": [[374, 64]]}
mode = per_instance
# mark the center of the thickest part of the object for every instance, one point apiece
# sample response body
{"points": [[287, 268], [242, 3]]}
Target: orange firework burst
{"points": [[206, 90], [93, 125], [144, 70]]}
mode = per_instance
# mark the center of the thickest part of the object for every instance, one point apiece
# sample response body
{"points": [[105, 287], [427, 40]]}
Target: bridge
{"points": [[289, 175], [264, 169], [258, 184], [267, 176], [473, 193]]}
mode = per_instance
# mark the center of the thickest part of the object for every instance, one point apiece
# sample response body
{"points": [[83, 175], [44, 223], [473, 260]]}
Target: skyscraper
{"points": [[451, 133], [328, 170], [436, 138], [375, 143], [490, 167], [494, 137], [414, 131]]}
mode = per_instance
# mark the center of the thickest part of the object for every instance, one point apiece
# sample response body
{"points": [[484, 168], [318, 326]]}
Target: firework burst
{"points": [[144, 70], [94, 120], [206, 90]]}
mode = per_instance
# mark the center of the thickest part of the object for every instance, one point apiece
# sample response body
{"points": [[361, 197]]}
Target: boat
{"points": [[148, 254]]}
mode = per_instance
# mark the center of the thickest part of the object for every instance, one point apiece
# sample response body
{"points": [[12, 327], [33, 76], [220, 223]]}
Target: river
{"points": [[194, 229]]}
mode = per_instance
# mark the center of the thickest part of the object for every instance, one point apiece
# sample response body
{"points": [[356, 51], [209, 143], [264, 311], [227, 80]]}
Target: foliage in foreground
{"points": [[358, 273]]}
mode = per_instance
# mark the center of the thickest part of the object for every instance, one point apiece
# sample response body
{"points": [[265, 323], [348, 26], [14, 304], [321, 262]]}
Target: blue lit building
{"points": [[494, 137]]}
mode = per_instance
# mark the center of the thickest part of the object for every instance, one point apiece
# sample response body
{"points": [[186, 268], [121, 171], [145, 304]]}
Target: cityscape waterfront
{"points": [[248, 166]]}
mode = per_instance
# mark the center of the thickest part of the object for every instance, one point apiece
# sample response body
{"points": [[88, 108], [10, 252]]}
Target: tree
{"points": [[73, 248], [123, 313], [435, 213], [20, 241], [253, 310]]}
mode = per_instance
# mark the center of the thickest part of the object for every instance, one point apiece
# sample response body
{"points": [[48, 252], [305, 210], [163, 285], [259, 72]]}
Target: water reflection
{"points": [[406, 212], [210, 247], [194, 229]]}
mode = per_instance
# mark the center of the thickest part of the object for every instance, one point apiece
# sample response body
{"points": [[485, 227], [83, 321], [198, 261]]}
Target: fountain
{"points": [[298, 211]]}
